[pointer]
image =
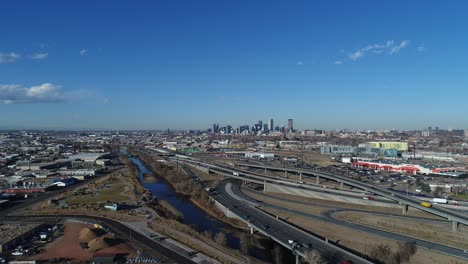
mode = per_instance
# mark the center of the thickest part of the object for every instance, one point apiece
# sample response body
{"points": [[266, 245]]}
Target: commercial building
{"points": [[410, 168], [290, 125], [400, 146], [113, 206], [271, 124], [259, 155], [343, 150], [88, 157]]}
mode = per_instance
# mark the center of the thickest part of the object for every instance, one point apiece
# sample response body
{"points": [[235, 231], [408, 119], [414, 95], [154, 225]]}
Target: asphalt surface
{"points": [[281, 231], [328, 217], [344, 209], [462, 218]]}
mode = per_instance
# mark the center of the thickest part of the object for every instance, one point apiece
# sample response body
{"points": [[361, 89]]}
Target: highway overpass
{"points": [[279, 230], [405, 201]]}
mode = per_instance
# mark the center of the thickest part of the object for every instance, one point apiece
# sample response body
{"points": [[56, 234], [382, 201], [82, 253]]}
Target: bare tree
{"points": [[438, 191], [314, 257], [244, 243], [220, 238], [383, 253], [278, 254], [208, 234], [405, 251]]}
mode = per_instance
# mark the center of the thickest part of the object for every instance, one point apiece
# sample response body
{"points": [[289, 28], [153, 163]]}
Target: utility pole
{"points": [[302, 159]]}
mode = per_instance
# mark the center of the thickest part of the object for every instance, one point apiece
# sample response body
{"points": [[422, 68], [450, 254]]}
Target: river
{"points": [[196, 217]]}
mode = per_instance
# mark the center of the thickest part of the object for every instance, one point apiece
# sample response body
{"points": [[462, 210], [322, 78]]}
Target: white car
{"points": [[17, 253]]}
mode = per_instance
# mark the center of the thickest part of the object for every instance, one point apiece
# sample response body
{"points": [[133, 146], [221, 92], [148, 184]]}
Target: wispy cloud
{"points": [[9, 57], [338, 62], [44, 93], [39, 56], [300, 63], [83, 52], [390, 48], [397, 48], [421, 49]]}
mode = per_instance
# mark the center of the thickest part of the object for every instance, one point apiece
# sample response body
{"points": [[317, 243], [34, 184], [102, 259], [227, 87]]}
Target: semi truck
{"points": [[439, 200], [426, 204]]}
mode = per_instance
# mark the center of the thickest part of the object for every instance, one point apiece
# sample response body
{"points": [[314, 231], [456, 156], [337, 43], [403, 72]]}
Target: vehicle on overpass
{"points": [[426, 204], [439, 200]]}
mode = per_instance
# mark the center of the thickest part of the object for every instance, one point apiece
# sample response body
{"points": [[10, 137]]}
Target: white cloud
{"points": [[338, 62], [356, 55], [421, 49], [44, 93], [83, 52], [39, 56], [396, 49], [9, 57], [388, 48]]}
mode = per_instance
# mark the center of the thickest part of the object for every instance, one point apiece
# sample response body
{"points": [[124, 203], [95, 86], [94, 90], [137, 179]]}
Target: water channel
{"points": [[196, 217]]}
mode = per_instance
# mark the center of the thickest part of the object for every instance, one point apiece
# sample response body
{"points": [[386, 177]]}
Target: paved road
{"points": [[328, 217], [281, 231], [446, 213], [345, 209]]}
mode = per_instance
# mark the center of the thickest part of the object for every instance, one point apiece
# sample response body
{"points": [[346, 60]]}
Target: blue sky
{"points": [[188, 64]]}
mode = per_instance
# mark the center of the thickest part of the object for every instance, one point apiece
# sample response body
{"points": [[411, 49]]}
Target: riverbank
{"points": [[162, 209], [182, 184], [196, 223]]}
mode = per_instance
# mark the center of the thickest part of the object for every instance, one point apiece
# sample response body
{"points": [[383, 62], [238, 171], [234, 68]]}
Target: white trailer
{"points": [[439, 200]]}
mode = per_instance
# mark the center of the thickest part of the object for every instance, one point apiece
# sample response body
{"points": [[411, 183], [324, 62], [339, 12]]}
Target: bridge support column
{"points": [[297, 259], [317, 180], [300, 176], [341, 185], [251, 230], [264, 186], [404, 208], [286, 174], [454, 226]]}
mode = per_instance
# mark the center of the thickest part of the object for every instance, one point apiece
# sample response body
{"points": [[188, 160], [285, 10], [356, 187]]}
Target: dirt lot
{"points": [[437, 232], [68, 246], [313, 156], [361, 242]]}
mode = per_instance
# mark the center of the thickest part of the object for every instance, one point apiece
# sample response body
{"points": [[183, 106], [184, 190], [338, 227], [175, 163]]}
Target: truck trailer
{"points": [[439, 200]]}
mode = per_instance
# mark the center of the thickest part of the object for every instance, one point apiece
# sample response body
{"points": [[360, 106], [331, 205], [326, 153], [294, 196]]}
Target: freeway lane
{"points": [[335, 208], [125, 232], [281, 231], [261, 179], [449, 214], [327, 216]]}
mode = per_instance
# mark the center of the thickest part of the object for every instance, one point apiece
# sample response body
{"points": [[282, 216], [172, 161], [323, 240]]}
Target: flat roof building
{"points": [[400, 146]]}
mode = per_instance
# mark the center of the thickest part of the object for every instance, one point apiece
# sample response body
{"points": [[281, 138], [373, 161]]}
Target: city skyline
{"points": [[181, 66]]}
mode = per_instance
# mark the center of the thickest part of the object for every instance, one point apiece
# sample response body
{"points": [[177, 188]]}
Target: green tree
{"points": [[425, 187]]}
